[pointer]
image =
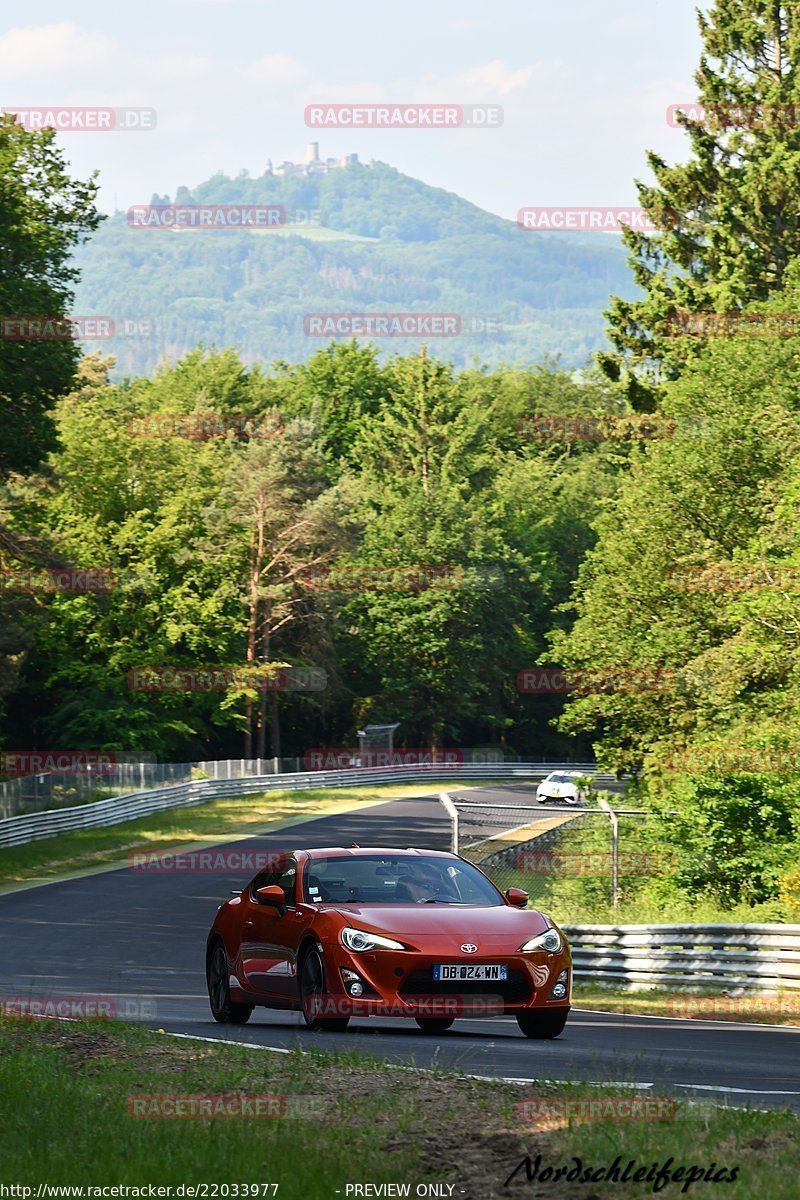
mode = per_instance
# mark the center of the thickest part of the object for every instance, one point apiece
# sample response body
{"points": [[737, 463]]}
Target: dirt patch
{"points": [[82, 1047], [479, 1162]]}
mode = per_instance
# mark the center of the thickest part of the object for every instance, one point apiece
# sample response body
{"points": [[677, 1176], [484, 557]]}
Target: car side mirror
{"points": [[517, 897], [272, 896]]}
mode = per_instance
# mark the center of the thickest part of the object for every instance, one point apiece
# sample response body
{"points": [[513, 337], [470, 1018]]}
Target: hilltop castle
{"points": [[314, 165]]}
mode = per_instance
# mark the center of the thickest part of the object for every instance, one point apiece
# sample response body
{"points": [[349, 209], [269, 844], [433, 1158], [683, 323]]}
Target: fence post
{"points": [[452, 813], [606, 807]]}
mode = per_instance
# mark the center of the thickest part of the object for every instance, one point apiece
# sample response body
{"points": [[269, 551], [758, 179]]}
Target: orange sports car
{"points": [[411, 933]]}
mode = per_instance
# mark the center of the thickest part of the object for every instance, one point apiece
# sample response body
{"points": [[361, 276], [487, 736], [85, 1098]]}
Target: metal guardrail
{"points": [[761, 958], [30, 827]]}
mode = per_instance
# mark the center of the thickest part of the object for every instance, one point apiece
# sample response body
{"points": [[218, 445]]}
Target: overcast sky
{"points": [[584, 85]]}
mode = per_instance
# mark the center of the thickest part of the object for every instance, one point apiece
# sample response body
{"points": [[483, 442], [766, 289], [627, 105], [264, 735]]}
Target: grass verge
{"points": [[185, 828], [71, 1093], [782, 1009]]}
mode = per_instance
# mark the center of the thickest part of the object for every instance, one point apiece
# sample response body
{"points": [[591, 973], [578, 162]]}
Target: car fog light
{"points": [[356, 989], [559, 991], [563, 977]]}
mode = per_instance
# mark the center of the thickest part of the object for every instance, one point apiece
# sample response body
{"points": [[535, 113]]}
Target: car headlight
{"points": [[359, 939], [550, 940]]}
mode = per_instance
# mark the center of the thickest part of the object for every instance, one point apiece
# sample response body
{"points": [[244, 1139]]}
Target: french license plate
{"points": [[458, 972]]}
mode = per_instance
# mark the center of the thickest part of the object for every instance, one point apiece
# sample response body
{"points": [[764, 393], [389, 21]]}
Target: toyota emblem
{"points": [[468, 948]]}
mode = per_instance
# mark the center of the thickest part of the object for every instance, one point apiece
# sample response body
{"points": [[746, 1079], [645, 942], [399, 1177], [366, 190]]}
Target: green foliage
{"points": [[540, 294], [44, 214], [733, 836], [729, 219], [712, 494], [405, 464]]}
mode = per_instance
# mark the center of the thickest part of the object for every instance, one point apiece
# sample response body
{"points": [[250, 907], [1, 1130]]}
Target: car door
{"points": [[269, 939]]}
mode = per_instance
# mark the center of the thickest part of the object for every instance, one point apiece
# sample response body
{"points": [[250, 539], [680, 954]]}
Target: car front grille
{"points": [[514, 990]]}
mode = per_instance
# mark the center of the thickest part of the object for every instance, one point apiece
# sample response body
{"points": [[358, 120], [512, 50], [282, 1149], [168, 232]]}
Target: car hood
{"points": [[443, 923]]}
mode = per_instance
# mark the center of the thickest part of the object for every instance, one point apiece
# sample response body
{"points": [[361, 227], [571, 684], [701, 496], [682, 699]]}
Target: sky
{"points": [[584, 86]]}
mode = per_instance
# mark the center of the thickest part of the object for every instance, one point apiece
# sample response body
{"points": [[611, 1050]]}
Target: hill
{"points": [[368, 239]]}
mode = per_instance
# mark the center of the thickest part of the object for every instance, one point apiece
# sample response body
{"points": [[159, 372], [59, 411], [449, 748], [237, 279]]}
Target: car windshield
{"points": [[561, 779], [395, 879]]}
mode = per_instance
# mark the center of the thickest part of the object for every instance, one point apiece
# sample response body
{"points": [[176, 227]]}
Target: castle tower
{"points": [[312, 152]]}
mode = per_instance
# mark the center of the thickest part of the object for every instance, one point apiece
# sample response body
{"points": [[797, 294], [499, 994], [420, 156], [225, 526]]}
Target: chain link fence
{"points": [[566, 859], [38, 791]]}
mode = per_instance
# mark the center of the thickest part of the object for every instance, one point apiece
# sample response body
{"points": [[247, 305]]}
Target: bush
{"points": [[733, 835]]}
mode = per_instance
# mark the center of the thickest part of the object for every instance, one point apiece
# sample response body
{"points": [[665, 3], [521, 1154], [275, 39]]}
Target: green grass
{"points": [[783, 1009], [761, 1147], [184, 828], [67, 1090], [574, 901]]}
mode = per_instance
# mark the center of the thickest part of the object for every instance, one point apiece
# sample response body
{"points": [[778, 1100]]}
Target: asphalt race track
{"points": [[140, 936]]}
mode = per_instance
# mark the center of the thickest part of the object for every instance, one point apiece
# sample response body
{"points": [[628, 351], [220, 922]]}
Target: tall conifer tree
{"points": [[729, 219]]}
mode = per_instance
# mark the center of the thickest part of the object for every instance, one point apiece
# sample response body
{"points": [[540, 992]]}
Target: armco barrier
{"points": [[680, 957], [30, 827]]}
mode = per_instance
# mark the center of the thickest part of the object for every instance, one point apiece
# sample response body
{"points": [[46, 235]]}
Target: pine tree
{"points": [[729, 219]]}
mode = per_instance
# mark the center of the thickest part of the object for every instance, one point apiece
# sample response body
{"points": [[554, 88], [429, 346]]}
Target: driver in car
{"points": [[424, 882]]}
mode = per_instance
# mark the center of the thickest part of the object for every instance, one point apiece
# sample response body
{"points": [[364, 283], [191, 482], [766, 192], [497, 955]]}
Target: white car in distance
{"points": [[560, 786]]}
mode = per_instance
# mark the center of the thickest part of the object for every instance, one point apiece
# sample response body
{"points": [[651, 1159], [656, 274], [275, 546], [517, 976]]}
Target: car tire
{"points": [[434, 1024], [223, 1008], [312, 988], [538, 1023]]}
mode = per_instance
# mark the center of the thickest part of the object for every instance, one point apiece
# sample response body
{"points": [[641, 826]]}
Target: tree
{"points": [[728, 219], [44, 215], [340, 388], [425, 464], [276, 520], [706, 498]]}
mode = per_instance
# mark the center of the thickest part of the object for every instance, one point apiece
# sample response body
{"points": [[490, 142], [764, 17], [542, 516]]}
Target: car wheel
{"points": [[219, 993], [536, 1023], [434, 1024], [312, 991]]}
